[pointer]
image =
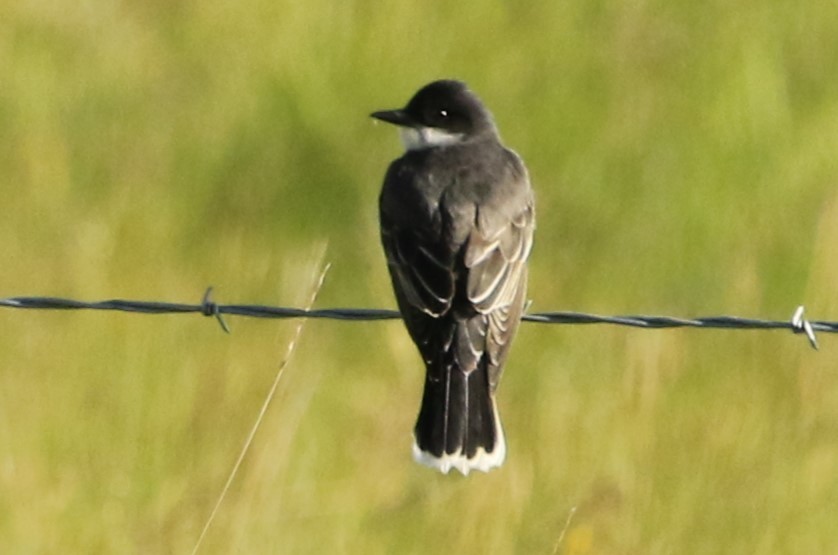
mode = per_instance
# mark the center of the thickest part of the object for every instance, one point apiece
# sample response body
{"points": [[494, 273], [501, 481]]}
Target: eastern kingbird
{"points": [[457, 221]]}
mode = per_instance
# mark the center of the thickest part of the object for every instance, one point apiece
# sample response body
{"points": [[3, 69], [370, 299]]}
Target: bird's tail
{"points": [[458, 425]]}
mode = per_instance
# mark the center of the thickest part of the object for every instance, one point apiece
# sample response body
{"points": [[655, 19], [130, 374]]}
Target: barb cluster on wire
{"points": [[797, 324]]}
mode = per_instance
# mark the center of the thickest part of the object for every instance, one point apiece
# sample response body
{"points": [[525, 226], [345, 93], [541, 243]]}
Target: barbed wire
{"points": [[797, 324]]}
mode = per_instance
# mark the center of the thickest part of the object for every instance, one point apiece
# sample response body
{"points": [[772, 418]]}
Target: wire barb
{"points": [[209, 308], [802, 325]]}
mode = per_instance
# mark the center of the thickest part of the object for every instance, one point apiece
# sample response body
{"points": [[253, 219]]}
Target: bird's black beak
{"points": [[396, 117]]}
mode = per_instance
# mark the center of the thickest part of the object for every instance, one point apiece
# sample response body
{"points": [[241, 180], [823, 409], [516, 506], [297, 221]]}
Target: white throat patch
{"points": [[418, 138]]}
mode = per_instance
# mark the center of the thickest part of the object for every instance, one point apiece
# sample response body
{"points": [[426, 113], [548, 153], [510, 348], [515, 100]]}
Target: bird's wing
{"points": [[421, 269], [497, 279], [495, 258]]}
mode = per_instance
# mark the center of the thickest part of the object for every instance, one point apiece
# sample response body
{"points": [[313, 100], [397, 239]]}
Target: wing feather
{"points": [[496, 262], [421, 271]]}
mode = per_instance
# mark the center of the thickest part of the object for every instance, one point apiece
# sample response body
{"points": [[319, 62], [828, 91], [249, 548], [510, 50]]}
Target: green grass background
{"points": [[685, 158]]}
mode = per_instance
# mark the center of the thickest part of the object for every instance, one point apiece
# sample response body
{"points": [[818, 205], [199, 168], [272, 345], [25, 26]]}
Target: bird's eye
{"points": [[443, 113]]}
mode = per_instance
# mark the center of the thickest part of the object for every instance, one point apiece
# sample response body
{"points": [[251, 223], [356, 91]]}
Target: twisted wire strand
{"points": [[798, 323]]}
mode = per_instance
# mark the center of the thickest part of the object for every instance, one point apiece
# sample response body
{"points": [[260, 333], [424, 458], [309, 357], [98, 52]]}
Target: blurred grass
{"points": [[684, 160]]}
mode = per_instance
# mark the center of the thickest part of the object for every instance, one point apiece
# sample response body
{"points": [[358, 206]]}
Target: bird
{"points": [[457, 216]]}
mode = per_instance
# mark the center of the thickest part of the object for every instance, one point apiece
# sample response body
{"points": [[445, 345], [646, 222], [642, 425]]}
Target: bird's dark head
{"points": [[442, 113]]}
